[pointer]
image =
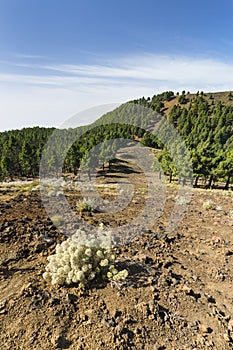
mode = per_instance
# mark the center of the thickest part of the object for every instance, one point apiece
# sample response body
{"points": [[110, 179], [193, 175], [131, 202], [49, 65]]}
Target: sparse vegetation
{"points": [[187, 263], [57, 220], [84, 206], [209, 205]]}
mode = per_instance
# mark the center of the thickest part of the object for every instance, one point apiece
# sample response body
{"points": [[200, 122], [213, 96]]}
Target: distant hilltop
{"points": [[203, 120], [165, 101]]}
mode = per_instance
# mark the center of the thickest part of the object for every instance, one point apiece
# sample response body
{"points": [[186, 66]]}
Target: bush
{"points": [[209, 205], [182, 200], [82, 258], [58, 220], [84, 206]]}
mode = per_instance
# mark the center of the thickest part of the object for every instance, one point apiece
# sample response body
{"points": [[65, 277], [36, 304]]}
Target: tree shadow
{"points": [[9, 272]]}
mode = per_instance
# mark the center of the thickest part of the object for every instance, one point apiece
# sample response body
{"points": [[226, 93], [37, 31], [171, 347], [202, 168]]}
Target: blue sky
{"points": [[61, 57]]}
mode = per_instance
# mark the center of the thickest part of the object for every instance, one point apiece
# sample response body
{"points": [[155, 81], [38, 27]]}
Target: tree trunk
{"points": [[228, 183], [196, 181], [170, 178], [210, 181]]}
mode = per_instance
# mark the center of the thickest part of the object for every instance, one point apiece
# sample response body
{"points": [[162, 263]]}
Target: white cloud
{"points": [[52, 93], [152, 67]]}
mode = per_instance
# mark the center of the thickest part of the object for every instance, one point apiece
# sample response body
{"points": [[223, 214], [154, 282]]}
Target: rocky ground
{"points": [[178, 294]]}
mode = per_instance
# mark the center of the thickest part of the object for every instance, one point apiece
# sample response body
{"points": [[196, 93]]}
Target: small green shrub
{"points": [[57, 220], [84, 206], [82, 258], [209, 205], [28, 187]]}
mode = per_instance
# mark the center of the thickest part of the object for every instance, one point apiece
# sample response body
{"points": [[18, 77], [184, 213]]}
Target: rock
{"points": [[2, 304], [226, 337], [137, 330], [108, 321], [8, 228], [26, 289], [205, 329], [150, 280], [230, 325], [153, 307], [83, 317], [186, 289], [200, 339], [54, 339], [174, 281], [193, 326], [151, 317], [143, 308], [216, 240]]}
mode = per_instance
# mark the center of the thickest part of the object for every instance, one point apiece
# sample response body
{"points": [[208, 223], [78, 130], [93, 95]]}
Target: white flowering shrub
{"points": [[209, 205], [82, 258], [182, 200]]}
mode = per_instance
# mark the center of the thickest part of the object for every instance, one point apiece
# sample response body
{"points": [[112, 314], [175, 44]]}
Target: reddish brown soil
{"points": [[178, 294]]}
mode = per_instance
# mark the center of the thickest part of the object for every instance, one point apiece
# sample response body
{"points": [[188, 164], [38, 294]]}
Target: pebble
{"points": [[26, 288], [216, 239], [186, 289], [200, 339], [230, 325], [226, 337], [2, 304], [205, 329]]}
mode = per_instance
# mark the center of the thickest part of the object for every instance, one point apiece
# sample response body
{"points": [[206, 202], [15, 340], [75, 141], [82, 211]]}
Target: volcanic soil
{"points": [[178, 294]]}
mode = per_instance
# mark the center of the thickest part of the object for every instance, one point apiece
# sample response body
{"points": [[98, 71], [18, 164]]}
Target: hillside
{"points": [[204, 122], [211, 97]]}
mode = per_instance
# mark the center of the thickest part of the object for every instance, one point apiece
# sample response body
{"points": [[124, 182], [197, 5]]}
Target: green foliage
{"points": [[209, 205], [182, 99], [208, 134], [150, 140], [57, 220], [164, 159], [20, 151], [84, 206]]}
